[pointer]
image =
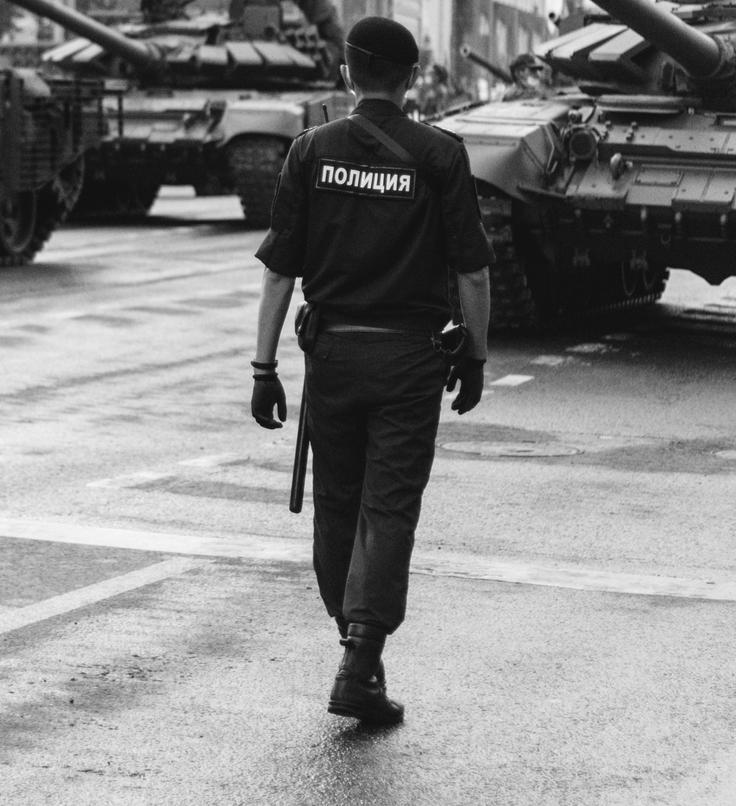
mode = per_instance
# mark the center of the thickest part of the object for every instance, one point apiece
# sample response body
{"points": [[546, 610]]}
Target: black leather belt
{"points": [[360, 329]]}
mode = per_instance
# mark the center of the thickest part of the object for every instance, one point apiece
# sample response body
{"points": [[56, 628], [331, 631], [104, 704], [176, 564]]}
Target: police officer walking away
{"points": [[375, 212]]}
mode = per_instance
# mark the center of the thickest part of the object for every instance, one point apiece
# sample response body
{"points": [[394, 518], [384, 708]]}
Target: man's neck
{"points": [[396, 98]]}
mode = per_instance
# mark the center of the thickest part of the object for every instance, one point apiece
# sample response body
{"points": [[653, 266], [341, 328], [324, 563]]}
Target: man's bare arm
{"points": [[276, 294], [475, 302]]}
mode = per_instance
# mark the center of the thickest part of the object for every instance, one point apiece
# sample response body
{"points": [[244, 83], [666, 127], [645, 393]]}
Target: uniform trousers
{"points": [[373, 403]]}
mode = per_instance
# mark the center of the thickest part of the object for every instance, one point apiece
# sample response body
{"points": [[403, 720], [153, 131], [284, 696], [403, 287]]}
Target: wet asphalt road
{"points": [[571, 618]]}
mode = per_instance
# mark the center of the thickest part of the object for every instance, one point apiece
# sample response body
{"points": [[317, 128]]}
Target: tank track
{"points": [[517, 304], [53, 203], [512, 301], [254, 164], [116, 197], [631, 303]]}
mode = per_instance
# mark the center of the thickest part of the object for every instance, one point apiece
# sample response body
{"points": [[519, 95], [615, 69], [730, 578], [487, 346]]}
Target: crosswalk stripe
{"points": [[91, 594], [433, 563]]}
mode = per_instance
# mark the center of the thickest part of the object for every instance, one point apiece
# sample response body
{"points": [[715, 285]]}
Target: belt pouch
{"points": [[306, 326]]}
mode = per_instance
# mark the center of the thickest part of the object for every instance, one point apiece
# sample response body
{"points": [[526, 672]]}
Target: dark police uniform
{"points": [[373, 237]]}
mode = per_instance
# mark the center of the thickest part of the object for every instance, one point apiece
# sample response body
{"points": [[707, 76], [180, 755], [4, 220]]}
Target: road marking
{"points": [[549, 360], [242, 292], [573, 577], [592, 348], [247, 546], [433, 563], [513, 449], [91, 594], [129, 480], [512, 380], [214, 460]]}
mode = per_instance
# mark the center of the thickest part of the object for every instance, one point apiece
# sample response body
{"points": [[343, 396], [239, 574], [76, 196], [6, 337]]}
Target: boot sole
{"points": [[340, 708]]}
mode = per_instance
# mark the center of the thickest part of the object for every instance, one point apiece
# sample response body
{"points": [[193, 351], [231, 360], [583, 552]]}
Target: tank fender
{"points": [[512, 145], [515, 162], [284, 121]]}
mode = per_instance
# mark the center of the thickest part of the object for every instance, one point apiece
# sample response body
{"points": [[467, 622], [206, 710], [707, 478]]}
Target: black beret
{"points": [[384, 38]]}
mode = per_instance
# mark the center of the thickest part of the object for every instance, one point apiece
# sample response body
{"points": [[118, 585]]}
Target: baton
{"points": [[301, 454]]}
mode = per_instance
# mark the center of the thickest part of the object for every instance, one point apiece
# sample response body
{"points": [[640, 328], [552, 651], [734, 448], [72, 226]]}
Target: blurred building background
{"points": [[499, 31]]}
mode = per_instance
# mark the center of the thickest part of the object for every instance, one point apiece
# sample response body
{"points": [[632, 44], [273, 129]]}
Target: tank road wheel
{"points": [[631, 283], [67, 187], [253, 164], [629, 278], [18, 216]]}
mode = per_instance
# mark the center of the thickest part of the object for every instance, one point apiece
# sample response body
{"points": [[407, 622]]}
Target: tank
{"points": [[590, 193], [46, 127], [207, 101]]}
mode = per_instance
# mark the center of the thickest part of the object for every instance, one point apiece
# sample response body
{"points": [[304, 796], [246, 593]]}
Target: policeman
{"points": [[375, 212]]}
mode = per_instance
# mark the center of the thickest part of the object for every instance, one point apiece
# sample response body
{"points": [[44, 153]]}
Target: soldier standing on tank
{"points": [[527, 72], [375, 212]]}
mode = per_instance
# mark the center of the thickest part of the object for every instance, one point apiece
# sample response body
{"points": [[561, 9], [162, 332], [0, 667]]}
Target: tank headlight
{"points": [[583, 144]]}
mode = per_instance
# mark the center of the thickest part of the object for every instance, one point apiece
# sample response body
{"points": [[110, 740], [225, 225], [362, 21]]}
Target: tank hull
{"points": [[219, 143]]}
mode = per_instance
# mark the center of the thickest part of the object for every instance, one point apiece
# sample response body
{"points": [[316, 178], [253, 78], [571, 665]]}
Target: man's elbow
{"points": [[278, 280]]}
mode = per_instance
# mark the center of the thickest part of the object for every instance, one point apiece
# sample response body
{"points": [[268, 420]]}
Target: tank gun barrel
{"points": [[137, 53], [468, 53], [698, 53]]}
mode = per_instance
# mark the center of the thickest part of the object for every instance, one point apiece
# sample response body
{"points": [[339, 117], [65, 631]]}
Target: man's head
{"points": [[526, 69], [381, 55]]}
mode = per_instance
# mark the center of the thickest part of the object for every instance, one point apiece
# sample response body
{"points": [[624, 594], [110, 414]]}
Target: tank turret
{"points": [[656, 48], [205, 50], [700, 54], [212, 101]]}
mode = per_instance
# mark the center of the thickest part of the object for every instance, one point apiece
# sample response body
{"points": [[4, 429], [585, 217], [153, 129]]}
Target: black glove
{"points": [[469, 371], [267, 393]]}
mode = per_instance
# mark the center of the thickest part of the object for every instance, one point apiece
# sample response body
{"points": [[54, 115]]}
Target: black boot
{"points": [[342, 628], [358, 691]]}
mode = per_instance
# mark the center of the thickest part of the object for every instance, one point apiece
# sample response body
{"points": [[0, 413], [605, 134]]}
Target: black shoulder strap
{"points": [[380, 135]]}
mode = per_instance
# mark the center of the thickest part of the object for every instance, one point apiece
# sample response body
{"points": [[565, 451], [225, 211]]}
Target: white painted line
{"points": [[250, 546], [592, 348], [66, 602], [129, 480], [122, 307], [512, 380], [210, 461], [549, 360], [576, 578], [446, 564]]}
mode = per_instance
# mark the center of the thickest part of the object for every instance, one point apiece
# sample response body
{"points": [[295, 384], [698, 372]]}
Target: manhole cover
{"points": [[518, 449]]}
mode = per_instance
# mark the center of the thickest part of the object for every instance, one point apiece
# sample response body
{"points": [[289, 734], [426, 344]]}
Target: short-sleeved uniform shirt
{"points": [[369, 233]]}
